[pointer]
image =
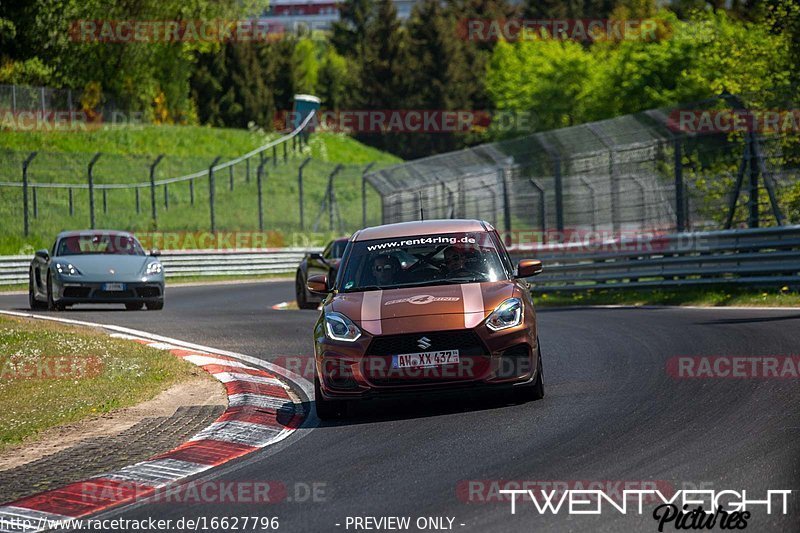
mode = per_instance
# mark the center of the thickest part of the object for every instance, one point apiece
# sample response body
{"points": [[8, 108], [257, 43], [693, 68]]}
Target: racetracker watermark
{"points": [[707, 121], [734, 367], [176, 31], [64, 120], [582, 240], [16, 367], [210, 492], [517, 29], [411, 121]]}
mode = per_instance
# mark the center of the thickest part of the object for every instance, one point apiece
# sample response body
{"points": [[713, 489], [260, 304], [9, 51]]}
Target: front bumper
{"points": [[488, 360], [73, 292]]}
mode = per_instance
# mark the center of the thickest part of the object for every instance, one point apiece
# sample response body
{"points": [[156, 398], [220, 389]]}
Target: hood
{"points": [[462, 306], [98, 266]]}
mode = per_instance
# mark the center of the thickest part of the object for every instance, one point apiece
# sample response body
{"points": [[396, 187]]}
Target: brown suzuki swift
{"points": [[434, 305]]}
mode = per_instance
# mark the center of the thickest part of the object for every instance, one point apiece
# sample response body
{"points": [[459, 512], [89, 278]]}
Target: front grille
{"points": [[465, 341], [474, 357], [76, 292], [148, 292], [113, 294]]}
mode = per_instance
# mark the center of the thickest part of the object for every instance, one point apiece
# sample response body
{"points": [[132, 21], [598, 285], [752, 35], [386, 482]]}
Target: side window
{"points": [[326, 253], [53, 249], [504, 257]]}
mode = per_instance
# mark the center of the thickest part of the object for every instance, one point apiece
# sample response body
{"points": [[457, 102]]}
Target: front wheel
{"points": [[301, 294], [327, 409], [535, 391], [52, 305], [155, 306], [33, 303]]}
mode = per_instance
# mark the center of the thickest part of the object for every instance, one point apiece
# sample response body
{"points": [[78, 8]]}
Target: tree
{"points": [[334, 79]]}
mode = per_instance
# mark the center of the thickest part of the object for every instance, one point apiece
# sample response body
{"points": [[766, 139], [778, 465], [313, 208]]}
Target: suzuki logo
{"points": [[424, 343]]}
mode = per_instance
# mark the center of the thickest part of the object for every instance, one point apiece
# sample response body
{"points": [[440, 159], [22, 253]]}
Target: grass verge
{"points": [[53, 374], [697, 297]]}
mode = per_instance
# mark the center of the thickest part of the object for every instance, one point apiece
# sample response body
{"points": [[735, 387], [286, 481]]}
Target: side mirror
{"points": [[43, 254], [529, 267], [318, 284], [155, 252], [316, 256]]}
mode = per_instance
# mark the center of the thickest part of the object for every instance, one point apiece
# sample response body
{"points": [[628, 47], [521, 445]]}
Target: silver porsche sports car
{"points": [[96, 266]]}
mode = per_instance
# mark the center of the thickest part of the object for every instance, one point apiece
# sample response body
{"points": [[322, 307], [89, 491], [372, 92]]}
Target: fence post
{"points": [[285, 155], [331, 195], [259, 175], [191, 191], [364, 194], [542, 205], [154, 214], [25, 188], [506, 205], [247, 170], [138, 207], [90, 172], [592, 197], [230, 171], [753, 199], [71, 204], [35, 203], [166, 196], [679, 187], [105, 200], [274, 155], [211, 192], [556, 157], [300, 190]]}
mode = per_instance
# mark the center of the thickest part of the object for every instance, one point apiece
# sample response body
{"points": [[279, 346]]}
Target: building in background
{"points": [[315, 14]]}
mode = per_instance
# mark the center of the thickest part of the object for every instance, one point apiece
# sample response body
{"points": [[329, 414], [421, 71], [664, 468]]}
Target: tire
{"points": [[33, 303], [327, 409], [534, 391], [134, 306], [301, 294], [52, 305], [155, 306]]}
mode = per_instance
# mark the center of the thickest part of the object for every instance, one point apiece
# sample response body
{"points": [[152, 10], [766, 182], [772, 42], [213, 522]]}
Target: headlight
{"points": [[340, 328], [154, 268], [66, 269], [506, 315]]}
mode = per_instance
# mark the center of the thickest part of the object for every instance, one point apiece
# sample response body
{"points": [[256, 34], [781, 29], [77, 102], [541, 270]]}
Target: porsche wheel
{"points": [[155, 306], [52, 305], [33, 303]]}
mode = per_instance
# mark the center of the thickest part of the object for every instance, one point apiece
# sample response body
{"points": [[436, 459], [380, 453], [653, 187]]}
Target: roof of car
{"points": [[78, 233], [421, 227]]}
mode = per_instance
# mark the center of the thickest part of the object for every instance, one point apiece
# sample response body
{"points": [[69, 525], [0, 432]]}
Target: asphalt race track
{"points": [[612, 413]]}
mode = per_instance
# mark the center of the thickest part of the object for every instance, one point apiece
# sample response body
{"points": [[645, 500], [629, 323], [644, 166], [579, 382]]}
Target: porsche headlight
{"points": [[506, 315], [67, 269], [154, 268], [340, 328]]}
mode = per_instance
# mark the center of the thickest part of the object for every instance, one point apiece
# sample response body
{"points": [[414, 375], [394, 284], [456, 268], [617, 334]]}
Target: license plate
{"points": [[411, 360], [113, 286]]}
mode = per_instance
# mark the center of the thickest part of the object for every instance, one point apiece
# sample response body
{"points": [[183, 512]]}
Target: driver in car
{"points": [[454, 262], [385, 268]]}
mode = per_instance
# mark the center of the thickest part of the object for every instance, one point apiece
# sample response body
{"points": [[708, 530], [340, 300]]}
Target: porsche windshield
{"points": [[99, 244], [422, 260]]}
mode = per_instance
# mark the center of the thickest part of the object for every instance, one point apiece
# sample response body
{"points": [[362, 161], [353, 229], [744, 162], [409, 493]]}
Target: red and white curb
{"points": [[262, 411]]}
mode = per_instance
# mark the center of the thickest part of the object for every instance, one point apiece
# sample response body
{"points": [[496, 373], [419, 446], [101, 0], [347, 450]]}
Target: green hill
{"points": [[127, 155]]}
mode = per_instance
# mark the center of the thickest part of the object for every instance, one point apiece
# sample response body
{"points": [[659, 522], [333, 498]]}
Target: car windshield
{"points": [[422, 260], [99, 244]]}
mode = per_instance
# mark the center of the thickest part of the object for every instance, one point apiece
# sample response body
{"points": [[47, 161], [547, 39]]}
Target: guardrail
{"points": [[757, 257], [14, 269], [766, 257]]}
